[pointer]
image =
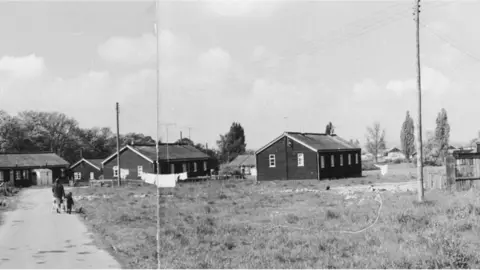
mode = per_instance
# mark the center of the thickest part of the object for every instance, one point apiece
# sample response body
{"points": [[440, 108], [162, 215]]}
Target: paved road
{"points": [[34, 237]]}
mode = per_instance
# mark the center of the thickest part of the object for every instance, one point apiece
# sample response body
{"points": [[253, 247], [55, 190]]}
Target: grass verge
{"points": [[238, 224]]}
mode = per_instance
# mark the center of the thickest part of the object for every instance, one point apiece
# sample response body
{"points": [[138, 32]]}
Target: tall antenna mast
{"points": [[156, 144]]}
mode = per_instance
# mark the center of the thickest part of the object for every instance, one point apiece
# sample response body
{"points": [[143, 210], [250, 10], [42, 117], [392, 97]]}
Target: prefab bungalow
{"points": [[173, 158], [245, 163], [86, 169], [25, 169], [295, 155]]}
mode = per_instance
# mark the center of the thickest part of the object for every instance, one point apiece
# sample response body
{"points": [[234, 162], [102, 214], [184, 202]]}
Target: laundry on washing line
{"points": [[160, 180], [383, 168]]}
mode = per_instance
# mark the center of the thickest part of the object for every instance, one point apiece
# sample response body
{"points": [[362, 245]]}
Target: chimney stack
{"points": [[180, 135]]}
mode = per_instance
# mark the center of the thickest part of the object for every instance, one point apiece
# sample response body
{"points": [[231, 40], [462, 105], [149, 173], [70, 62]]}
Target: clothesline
{"points": [[164, 180]]}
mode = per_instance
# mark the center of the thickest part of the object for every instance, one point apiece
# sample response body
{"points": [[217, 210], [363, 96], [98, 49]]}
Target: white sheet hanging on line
{"points": [[383, 169], [160, 180], [182, 176]]}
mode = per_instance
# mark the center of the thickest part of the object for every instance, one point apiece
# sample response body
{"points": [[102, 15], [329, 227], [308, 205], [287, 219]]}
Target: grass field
{"points": [[238, 224]]}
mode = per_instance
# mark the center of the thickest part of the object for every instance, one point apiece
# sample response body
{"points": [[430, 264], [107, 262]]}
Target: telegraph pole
{"points": [[419, 100], [156, 144], [118, 145]]}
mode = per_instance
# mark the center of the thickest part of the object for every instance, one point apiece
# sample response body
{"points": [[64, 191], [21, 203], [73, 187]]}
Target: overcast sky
{"points": [[255, 62]]}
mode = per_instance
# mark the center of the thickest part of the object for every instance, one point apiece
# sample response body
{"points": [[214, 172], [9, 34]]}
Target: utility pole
{"points": [[419, 119], [118, 145], [156, 144]]}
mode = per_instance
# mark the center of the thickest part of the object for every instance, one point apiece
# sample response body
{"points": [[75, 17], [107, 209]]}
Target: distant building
{"points": [[295, 155], [26, 169], [176, 158], [86, 169], [245, 163]]}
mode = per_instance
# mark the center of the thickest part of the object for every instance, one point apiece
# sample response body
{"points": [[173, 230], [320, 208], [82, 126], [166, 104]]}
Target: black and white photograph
{"points": [[239, 134]]}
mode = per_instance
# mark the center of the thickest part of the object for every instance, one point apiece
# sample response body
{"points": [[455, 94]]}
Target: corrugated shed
{"points": [[245, 160], [321, 141], [175, 152], [11, 160]]}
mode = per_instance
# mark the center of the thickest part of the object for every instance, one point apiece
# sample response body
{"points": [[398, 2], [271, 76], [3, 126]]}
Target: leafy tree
{"points": [[407, 136], [136, 138], [375, 140], [329, 129], [232, 143], [355, 143], [185, 141], [442, 133]]}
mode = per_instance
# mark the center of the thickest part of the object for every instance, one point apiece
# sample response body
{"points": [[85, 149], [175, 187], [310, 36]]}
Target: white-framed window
{"points": [[271, 161], [195, 166], [341, 160], [356, 158], [300, 160], [18, 175], [332, 161], [184, 167], [1, 176], [205, 167], [62, 170], [77, 175], [115, 171], [92, 176], [349, 159], [172, 168], [139, 170], [322, 162]]}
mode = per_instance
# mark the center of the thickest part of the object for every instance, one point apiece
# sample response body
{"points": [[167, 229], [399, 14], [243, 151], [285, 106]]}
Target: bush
{"points": [[229, 170], [368, 166]]}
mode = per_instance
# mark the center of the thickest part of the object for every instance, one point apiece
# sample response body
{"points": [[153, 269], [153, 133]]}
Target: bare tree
{"points": [[375, 140]]}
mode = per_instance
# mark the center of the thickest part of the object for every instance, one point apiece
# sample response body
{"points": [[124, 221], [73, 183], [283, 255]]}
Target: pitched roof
{"points": [[11, 160], [96, 163], [175, 152], [315, 141], [245, 160]]}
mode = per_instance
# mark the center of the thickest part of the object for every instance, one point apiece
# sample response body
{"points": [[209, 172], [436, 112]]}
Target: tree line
{"points": [[37, 131], [435, 145]]}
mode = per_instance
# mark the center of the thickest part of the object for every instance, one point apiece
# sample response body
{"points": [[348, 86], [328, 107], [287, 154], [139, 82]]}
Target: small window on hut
{"points": [[271, 161], [115, 171], [139, 170], [300, 160], [332, 161], [322, 162], [341, 160], [205, 166], [184, 167], [356, 158], [18, 175], [1, 176], [195, 166], [349, 159], [172, 168]]}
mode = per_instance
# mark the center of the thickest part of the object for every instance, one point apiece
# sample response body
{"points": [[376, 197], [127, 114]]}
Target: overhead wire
{"points": [[377, 24]]}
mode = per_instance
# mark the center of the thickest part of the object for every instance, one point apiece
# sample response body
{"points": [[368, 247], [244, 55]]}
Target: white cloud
{"points": [[142, 49], [433, 82], [23, 67], [239, 8], [367, 86], [127, 50]]}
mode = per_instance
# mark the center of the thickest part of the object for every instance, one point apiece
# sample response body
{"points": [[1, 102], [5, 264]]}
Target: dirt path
{"points": [[34, 237]]}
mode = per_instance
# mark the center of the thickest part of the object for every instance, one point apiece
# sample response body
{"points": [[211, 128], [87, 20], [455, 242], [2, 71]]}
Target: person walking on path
{"points": [[58, 194]]}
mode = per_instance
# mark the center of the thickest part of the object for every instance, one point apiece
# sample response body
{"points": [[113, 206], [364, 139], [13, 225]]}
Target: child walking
{"points": [[70, 202]]}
